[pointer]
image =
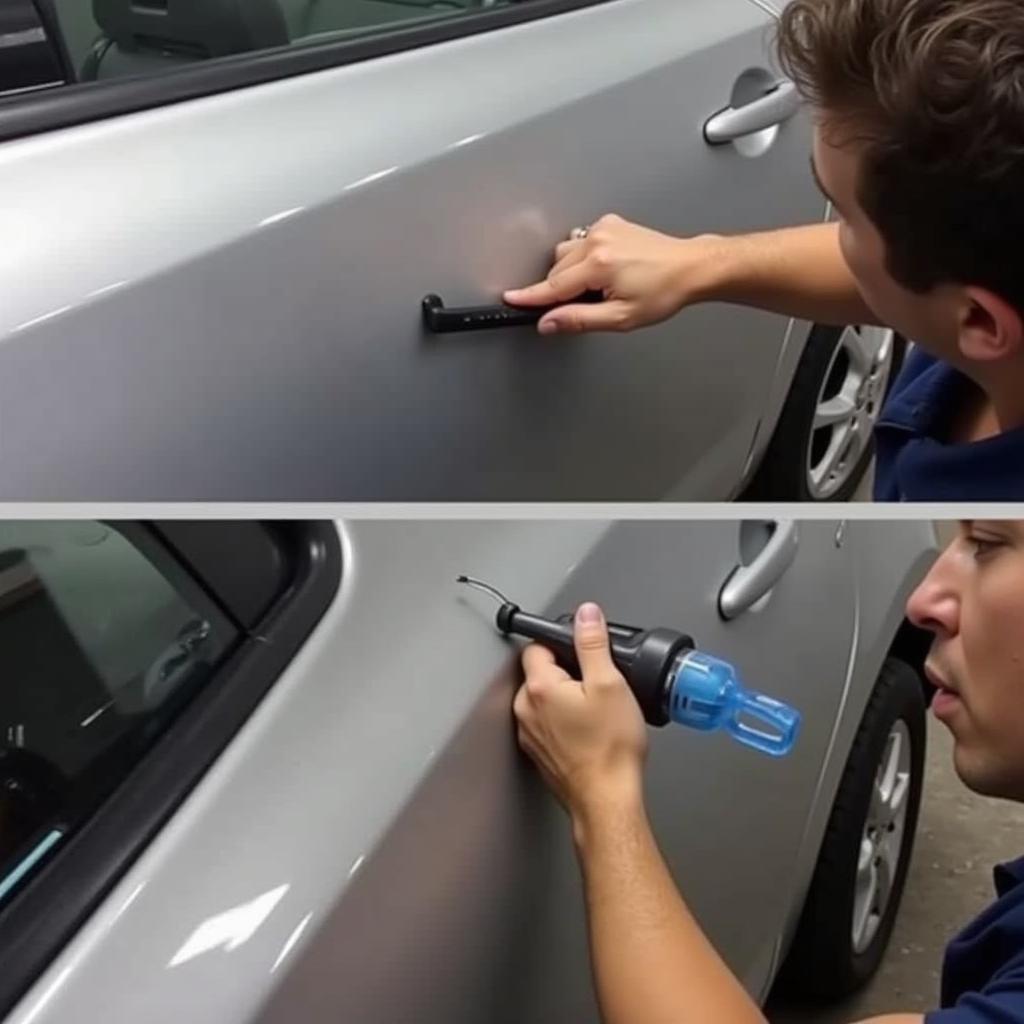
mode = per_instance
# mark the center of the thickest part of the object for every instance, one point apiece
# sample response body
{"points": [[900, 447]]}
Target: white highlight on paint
{"points": [[230, 929], [468, 140], [35, 321], [107, 289], [370, 178], [357, 864], [132, 897], [292, 939], [50, 992], [276, 218]]}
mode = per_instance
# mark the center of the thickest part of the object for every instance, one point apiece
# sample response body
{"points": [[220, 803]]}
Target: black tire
{"points": [[822, 963], [782, 474]]}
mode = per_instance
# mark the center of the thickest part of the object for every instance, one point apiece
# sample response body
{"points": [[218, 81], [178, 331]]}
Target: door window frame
{"points": [[299, 571], [80, 103]]}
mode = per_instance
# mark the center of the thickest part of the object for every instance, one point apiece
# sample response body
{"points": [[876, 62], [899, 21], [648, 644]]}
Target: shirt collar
{"points": [[1008, 876], [924, 405]]}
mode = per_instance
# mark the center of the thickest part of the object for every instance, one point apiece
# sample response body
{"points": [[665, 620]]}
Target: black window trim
{"points": [[55, 901], [63, 107]]}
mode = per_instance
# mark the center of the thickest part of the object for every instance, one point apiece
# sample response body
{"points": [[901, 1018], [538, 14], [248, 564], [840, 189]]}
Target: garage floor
{"points": [[960, 836]]}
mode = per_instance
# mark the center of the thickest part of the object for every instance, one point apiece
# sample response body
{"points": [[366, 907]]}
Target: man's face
{"points": [[972, 600], [931, 319]]}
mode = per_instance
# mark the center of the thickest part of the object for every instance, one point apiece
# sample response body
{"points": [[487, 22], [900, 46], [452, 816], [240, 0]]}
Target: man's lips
{"points": [[938, 681], [947, 698]]}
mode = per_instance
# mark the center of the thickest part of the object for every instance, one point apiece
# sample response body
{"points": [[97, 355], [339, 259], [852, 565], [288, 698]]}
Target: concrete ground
{"points": [[959, 837]]}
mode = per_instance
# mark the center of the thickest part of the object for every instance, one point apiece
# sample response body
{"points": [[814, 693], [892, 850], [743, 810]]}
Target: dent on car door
{"points": [[265, 311]]}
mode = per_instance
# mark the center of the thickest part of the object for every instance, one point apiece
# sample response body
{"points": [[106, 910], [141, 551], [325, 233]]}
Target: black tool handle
{"points": [[644, 657], [441, 320]]}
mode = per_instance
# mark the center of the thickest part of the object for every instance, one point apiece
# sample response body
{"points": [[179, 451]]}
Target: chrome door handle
{"points": [[747, 584], [771, 109]]}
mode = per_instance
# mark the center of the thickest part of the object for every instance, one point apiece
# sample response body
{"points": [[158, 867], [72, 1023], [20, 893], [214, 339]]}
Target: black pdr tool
{"points": [[671, 680], [439, 319]]}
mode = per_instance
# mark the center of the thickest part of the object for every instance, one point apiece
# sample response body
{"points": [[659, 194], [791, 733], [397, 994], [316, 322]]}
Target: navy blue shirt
{"points": [[914, 462], [983, 972]]}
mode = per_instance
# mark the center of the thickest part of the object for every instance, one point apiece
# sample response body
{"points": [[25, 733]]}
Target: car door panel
{"points": [[258, 307], [373, 847], [492, 852]]}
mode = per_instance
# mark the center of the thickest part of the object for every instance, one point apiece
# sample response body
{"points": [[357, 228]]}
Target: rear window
{"points": [[102, 643]]}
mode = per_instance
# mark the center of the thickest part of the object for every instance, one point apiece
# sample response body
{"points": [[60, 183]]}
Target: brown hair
{"points": [[934, 89]]}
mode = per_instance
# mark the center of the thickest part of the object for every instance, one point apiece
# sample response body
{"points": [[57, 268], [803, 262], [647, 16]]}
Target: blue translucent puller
{"points": [[704, 693], [671, 680]]}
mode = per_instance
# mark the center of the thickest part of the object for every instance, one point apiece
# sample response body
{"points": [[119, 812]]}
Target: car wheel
{"points": [[824, 439], [855, 893]]}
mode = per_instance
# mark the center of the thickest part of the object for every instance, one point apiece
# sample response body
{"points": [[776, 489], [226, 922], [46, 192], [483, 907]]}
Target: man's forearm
{"points": [[798, 272], [652, 963]]}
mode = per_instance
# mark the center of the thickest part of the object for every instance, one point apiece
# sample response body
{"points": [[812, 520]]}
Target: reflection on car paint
{"points": [[229, 929]]}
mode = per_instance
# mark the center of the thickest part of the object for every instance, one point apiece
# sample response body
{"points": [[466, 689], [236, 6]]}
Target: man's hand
{"points": [[646, 278], [587, 738]]}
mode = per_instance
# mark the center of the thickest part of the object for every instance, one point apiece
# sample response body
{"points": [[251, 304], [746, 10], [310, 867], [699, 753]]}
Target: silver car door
{"points": [[220, 298], [495, 889]]}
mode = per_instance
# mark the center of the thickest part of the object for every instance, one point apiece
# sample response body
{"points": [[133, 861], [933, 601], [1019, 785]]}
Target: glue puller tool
{"points": [[671, 680]]}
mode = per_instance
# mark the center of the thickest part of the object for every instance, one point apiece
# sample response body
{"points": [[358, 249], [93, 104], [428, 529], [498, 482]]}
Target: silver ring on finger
{"points": [[578, 234]]}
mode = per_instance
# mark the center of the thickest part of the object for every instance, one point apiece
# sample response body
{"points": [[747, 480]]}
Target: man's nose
{"points": [[935, 605]]}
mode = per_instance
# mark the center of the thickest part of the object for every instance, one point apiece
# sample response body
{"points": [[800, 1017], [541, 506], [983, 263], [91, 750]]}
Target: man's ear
{"points": [[990, 328]]}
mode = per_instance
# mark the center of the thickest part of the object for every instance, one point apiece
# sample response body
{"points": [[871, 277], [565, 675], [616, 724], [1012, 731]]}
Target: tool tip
{"points": [[485, 587]]}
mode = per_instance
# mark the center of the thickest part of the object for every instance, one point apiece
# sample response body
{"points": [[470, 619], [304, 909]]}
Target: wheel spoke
{"points": [[888, 856], [860, 351], [860, 432], [863, 906], [824, 469], [889, 765], [883, 351], [835, 410], [898, 798], [878, 808], [864, 859]]}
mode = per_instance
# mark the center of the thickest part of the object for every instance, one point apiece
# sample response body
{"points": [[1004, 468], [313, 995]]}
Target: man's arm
{"points": [[652, 962], [798, 272], [648, 277], [896, 1018]]}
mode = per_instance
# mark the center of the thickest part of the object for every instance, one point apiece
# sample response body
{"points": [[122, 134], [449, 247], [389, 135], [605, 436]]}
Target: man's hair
{"points": [[934, 89]]}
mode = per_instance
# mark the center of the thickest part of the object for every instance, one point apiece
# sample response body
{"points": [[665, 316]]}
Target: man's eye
{"points": [[982, 546]]}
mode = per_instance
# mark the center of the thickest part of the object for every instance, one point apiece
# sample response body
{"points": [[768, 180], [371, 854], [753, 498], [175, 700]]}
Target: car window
{"points": [[103, 640], [109, 39]]}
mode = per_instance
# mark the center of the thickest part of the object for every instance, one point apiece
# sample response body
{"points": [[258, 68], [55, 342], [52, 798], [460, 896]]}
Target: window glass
{"points": [[28, 59], [117, 38], [101, 645]]}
